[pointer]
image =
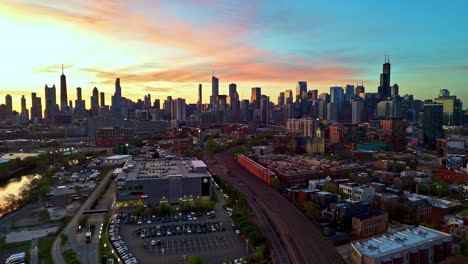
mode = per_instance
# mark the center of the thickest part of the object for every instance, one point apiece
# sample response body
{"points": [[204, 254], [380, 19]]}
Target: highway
{"points": [[89, 250], [291, 235]]}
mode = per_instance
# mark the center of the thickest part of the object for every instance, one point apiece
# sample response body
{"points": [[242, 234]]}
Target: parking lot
{"points": [[178, 246], [172, 238]]}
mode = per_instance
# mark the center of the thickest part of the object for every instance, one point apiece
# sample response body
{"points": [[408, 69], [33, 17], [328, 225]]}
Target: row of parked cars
{"points": [[118, 243], [180, 229], [169, 218]]}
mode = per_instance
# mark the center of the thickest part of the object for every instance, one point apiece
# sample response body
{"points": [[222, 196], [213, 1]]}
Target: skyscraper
{"points": [[432, 123], [322, 110], [281, 98], [63, 92], [103, 99], [245, 110], [288, 97], [255, 97], [312, 94], [453, 108], [9, 106], [179, 109], [324, 97], [301, 90], [332, 111], [36, 108], [157, 104], [200, 98], [384, 88], [349, 93], [232, 89], [214, 91], [117, 98], [388, 109], [168, 107], [24, 110], [80, 105], [357, 107], [336, 95], [360, 90], [50, 102], [95, 98], [395, 90], [265, 109]]}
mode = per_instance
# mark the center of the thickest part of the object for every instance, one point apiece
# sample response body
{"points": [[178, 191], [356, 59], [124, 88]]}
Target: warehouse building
{"points": [[410, 246], [167, 179]]}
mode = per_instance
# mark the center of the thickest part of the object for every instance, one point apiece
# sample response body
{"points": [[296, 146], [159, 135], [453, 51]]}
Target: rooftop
{"points": [[389, 243], [144, 169], [436, 202], [116, 157], [369, 215], [18, 155]]}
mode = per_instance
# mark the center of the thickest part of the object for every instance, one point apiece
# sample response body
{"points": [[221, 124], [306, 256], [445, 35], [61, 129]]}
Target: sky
{"points": [[169, 47]]}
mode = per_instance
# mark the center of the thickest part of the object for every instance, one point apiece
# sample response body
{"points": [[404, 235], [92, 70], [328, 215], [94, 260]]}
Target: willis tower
{"points": [[384, 88]]}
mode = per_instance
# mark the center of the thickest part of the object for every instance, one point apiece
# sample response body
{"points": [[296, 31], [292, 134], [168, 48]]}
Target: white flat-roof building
{"points": [[116, 159], [358, 192], [410, 246]]}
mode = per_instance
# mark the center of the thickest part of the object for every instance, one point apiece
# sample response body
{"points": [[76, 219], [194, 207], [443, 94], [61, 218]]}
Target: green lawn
{"points": [[105, 241], [70, 257], [45, 245]]}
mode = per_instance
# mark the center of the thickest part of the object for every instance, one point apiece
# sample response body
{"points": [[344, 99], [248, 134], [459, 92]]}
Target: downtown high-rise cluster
{"points": [[343, 104]]}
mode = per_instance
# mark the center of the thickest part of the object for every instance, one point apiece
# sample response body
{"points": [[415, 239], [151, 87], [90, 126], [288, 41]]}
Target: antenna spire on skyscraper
{"points": [[62, 68]]}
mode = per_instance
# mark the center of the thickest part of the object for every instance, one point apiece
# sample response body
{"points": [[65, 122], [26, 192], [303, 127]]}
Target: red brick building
{"points": [[394, 134], [113, 136], [370, 224], [256, 169]]}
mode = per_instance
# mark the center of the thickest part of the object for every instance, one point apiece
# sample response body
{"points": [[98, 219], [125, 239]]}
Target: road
{"points": [[72, 225], [33, 252], [292, 236]]}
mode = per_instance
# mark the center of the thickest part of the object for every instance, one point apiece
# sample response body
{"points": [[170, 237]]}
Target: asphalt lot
{"points": [[213, 247], [200, 243]]}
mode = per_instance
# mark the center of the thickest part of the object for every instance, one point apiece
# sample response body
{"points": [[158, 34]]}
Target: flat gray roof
{"points": [[163, 168]]}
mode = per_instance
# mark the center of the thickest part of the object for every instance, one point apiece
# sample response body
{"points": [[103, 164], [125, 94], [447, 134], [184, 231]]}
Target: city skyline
{"points": [[247, 47]]}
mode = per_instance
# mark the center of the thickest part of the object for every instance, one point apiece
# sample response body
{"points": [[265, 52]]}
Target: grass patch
{"points": [[44, 246], [20, 246], [463, 213], [105, 241], [70, 257]]}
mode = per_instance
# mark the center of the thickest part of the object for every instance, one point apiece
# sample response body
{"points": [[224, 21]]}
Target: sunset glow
{"points": [[159, 47]]}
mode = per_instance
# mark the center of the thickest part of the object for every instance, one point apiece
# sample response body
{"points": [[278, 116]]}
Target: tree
{"points": [[139, 211], [332, 188], [64, 238], [44, 215], [311, 210], [195, 260], [165, 208], [275, 183], [255, 238]]}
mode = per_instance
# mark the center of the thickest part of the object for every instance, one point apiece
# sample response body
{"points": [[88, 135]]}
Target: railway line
{"points": [[292, 236]]}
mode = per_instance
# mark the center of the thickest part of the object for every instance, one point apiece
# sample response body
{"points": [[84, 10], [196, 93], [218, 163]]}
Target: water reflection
{"points": [[14, 187]]}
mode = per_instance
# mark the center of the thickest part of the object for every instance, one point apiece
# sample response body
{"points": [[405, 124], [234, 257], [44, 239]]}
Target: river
{"points": [[15, 186]]}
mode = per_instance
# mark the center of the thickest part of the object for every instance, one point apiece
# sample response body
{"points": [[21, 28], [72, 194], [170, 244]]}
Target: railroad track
{"points": [[295, 236]]}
